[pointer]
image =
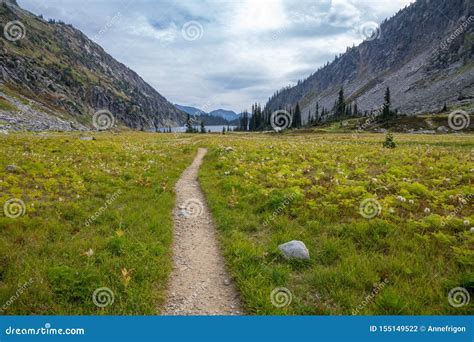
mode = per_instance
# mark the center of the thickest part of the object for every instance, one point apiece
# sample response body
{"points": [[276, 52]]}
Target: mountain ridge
{"points": [[62, 78], [229, 115], [415, 54]]}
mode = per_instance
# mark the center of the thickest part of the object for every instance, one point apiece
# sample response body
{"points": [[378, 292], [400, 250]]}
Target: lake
{"points": [[182, 129]]}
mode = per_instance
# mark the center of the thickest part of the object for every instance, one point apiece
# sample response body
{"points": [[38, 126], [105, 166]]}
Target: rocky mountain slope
{"points": [[53, 77], [424, 54]]}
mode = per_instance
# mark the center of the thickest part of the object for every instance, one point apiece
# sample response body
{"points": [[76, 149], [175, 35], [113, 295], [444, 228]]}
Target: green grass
{"points": [[128, 180], [406, 251], [98, 214], [6, 105]]}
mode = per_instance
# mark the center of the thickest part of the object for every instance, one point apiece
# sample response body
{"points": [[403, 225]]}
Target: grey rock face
{"points": [[84, 80], [294, 250], [423, 58]]}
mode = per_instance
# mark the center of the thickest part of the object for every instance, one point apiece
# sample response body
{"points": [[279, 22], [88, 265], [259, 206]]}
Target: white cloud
{"points": [[343, 14], [249, 48], [141, 27], [253, 17]]}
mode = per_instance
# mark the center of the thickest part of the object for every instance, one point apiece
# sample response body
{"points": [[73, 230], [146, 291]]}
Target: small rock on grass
{"points": [[11, 168], [294, 250]]}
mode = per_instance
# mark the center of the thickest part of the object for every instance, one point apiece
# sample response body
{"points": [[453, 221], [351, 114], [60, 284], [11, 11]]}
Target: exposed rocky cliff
{"points": [[53, 77], [424, 54]]}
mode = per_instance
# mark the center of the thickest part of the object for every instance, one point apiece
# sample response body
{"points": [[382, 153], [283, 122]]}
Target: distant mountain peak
{"points": [[229, 115], [190, 110]]}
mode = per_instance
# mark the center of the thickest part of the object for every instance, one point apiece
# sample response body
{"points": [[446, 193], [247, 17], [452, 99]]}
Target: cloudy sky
{"points": [[221, 54]]}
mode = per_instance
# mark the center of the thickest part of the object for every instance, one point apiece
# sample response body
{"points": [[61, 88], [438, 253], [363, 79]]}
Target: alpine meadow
{"points": [[244, 158]]}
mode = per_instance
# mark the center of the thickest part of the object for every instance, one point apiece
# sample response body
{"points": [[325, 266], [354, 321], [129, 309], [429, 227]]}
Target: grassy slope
{"points": [[326, 177], [63, 182]]}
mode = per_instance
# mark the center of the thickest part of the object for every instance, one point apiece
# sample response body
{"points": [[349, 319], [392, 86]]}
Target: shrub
{"points": [[389, 141]]}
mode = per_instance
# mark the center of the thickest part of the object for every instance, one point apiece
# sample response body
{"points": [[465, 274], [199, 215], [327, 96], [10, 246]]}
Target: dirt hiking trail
{"points": [[199, 283]]}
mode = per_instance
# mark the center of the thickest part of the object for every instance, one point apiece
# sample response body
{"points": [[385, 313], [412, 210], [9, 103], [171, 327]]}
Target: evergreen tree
{"points": [[386, 113], [355, 112], [203, 129], [349, 110], [445, 108], [297, 117], [244, 121], [260, 120], [223, 130], [189, 125], [252, 120], [340, 104]]}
